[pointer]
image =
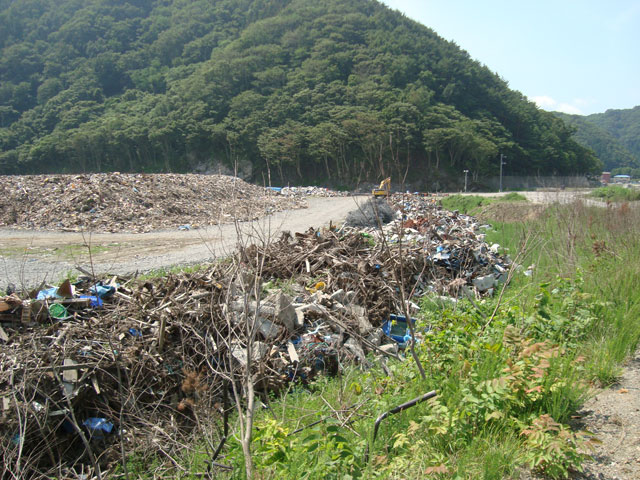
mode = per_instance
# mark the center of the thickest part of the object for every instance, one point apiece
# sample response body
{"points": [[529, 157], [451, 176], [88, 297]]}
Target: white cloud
{"points": [[549, 103], [567, 108], [544, 102]]}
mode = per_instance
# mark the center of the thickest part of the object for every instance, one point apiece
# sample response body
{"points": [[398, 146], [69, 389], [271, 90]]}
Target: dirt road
{"points": [[30, 257]]}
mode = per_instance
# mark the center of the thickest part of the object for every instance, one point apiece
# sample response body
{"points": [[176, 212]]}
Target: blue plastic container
{"points": [[398, 328]]}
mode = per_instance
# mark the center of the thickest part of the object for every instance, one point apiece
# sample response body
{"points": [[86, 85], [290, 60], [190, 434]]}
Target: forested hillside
{"points": [[607, 146], [614, 136], [624, 125], [332, 91]]}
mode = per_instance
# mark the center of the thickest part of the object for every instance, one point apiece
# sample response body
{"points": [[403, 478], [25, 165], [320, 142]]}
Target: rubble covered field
{"points": [[122, 202], [110, 365]]}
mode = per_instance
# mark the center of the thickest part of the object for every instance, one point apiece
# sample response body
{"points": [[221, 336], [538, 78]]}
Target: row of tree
{"points": [[300, 91]]}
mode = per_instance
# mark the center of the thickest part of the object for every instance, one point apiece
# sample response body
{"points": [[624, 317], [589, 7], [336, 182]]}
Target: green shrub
{"points": [[616, 193], [470, 204]]}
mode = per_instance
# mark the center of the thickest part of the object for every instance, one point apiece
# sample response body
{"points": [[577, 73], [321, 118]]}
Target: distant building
{"points": [[621, 178], [605, 178]]}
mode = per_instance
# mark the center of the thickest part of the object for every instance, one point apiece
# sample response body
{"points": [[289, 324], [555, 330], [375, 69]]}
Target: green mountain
{"points": [[614, 136], [624, 126], [292, 90], [607, 146]]}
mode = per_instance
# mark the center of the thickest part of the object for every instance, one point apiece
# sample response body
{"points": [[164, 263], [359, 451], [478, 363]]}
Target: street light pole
{"points": [[501, 164], [465, 180]]}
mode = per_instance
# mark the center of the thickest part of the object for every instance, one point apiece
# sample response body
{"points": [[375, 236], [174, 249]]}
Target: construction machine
{"points": [[384, 189]]}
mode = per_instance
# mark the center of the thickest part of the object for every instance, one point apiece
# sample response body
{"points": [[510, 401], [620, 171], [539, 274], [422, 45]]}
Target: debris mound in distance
{"points": [[127, 202], [372, 213]]}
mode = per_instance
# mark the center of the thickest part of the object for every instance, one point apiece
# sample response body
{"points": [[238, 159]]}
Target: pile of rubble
{"points": [[118, 202], [129, 365], [310, 191]]}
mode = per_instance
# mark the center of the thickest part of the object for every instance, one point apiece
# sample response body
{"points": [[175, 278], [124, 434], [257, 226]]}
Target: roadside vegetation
{"points": [[616, 193], [509, 372], [472, 204]]}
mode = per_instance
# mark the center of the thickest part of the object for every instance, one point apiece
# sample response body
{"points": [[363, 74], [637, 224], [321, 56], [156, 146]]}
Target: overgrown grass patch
{"points": [[471, 204], [617, 193], [176, 269]]}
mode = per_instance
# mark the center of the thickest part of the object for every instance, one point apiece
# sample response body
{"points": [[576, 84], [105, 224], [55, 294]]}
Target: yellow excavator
{"points": [[384, 189]]}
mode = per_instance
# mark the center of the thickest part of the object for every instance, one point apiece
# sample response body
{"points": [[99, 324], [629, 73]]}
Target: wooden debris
{"points": [[70, 372], [122, 202], [160, 352]]}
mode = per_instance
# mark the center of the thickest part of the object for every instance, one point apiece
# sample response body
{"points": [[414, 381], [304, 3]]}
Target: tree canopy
{"points": [[337, 91], [614, 136]]}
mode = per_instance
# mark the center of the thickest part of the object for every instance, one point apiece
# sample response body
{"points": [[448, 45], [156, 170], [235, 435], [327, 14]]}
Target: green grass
{"points": [[616, 193], [163, 272], [471, 204]]}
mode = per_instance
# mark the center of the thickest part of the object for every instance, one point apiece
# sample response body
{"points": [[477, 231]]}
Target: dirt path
{"points": [[552, 196], [613, 415], [30, 257]]}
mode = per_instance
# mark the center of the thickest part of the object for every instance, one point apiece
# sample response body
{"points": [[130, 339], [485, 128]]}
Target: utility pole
{"points": [[501, 164], [465, 180]]}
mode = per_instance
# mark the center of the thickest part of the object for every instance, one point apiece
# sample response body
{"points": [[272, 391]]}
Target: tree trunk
{"points": [[326, 167], [248, 425]]}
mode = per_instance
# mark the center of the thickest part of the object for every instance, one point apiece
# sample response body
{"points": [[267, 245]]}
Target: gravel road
{"points": [[30, 257]]}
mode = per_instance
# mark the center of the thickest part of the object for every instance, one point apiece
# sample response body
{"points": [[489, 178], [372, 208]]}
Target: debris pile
{"points": [[373, 213], [125, 365], [453, 244], [119, 202], [311, 191]]}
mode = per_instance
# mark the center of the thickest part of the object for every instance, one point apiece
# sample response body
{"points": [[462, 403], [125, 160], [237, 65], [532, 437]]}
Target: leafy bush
{"points": [[554, 449], [512, 197], [463, 203]]}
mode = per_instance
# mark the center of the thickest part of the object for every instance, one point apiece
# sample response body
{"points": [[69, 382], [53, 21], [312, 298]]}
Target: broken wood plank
{"points": [[26, 312], [70, 374], [293, 355], [94, 382], [123, 296], [163, 325], [85, 271]]}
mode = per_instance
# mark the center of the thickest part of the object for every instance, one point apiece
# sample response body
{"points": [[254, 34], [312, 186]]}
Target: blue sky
{"points": [[575, 56]]}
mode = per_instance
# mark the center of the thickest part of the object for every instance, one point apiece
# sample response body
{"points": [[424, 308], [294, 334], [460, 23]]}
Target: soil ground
{"points": [[28, 258], [613, 415]]}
